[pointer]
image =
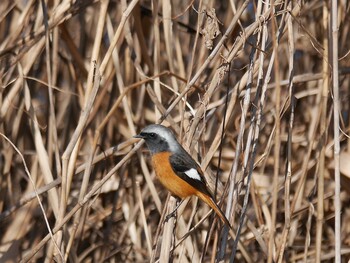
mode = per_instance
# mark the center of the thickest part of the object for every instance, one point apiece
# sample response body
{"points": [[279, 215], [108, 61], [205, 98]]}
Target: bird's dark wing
{"points": [[188, 170]]}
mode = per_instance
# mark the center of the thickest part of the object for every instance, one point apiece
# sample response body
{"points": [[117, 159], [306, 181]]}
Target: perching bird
{"points": [[175, 168]]}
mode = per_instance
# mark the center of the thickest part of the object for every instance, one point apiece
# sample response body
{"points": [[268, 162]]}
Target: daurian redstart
{"points": [[175, 168]]}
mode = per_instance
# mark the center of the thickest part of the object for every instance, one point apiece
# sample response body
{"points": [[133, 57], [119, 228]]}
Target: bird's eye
{"points": [[152, 135]]}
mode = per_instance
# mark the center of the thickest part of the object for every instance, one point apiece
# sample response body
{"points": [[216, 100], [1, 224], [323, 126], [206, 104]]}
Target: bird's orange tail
{"points": [[209, 201]]}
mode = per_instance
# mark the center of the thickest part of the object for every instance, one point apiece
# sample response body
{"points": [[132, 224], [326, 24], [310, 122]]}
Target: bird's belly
{"points": [[168, 177]]}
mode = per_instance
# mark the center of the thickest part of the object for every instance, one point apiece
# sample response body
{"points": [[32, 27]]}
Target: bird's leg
{"points": [[173, 213]]}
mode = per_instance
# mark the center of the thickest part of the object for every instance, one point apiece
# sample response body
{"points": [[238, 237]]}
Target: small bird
{"points": [[175, 168]]}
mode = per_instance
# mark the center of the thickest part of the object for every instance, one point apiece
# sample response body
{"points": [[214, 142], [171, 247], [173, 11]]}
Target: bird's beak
{"points": [[139, 136]]}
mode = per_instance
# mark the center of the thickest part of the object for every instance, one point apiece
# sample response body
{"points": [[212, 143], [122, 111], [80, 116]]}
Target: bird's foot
{"points": [[172, 214]]}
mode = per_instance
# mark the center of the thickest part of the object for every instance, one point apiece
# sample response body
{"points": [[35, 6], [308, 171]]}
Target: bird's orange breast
{"points": [[168, 177]]}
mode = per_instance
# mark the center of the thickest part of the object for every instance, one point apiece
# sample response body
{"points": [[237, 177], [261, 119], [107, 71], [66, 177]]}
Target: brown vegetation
{"points": [[253, 90]]}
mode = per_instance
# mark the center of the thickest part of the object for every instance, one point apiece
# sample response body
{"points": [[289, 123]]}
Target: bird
{"points": [[176, 169]]}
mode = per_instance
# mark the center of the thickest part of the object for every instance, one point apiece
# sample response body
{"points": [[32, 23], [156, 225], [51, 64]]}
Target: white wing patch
{"points": [[193, 173]]}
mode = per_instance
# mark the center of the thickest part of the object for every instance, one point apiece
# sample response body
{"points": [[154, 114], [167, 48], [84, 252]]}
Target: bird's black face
{"points": [[154, 141]]}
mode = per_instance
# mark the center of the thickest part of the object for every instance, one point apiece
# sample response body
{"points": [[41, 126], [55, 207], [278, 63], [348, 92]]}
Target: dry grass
{"points": [[258, 95]]}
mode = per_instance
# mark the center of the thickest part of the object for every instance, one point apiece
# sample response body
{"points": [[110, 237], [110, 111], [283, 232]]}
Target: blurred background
{"points": [[248, 87]]}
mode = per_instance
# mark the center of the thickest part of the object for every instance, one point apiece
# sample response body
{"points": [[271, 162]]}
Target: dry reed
{"points": [[257, 92]]}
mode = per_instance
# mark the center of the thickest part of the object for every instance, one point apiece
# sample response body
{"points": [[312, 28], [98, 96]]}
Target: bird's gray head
{"points": [[159, 138]]}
